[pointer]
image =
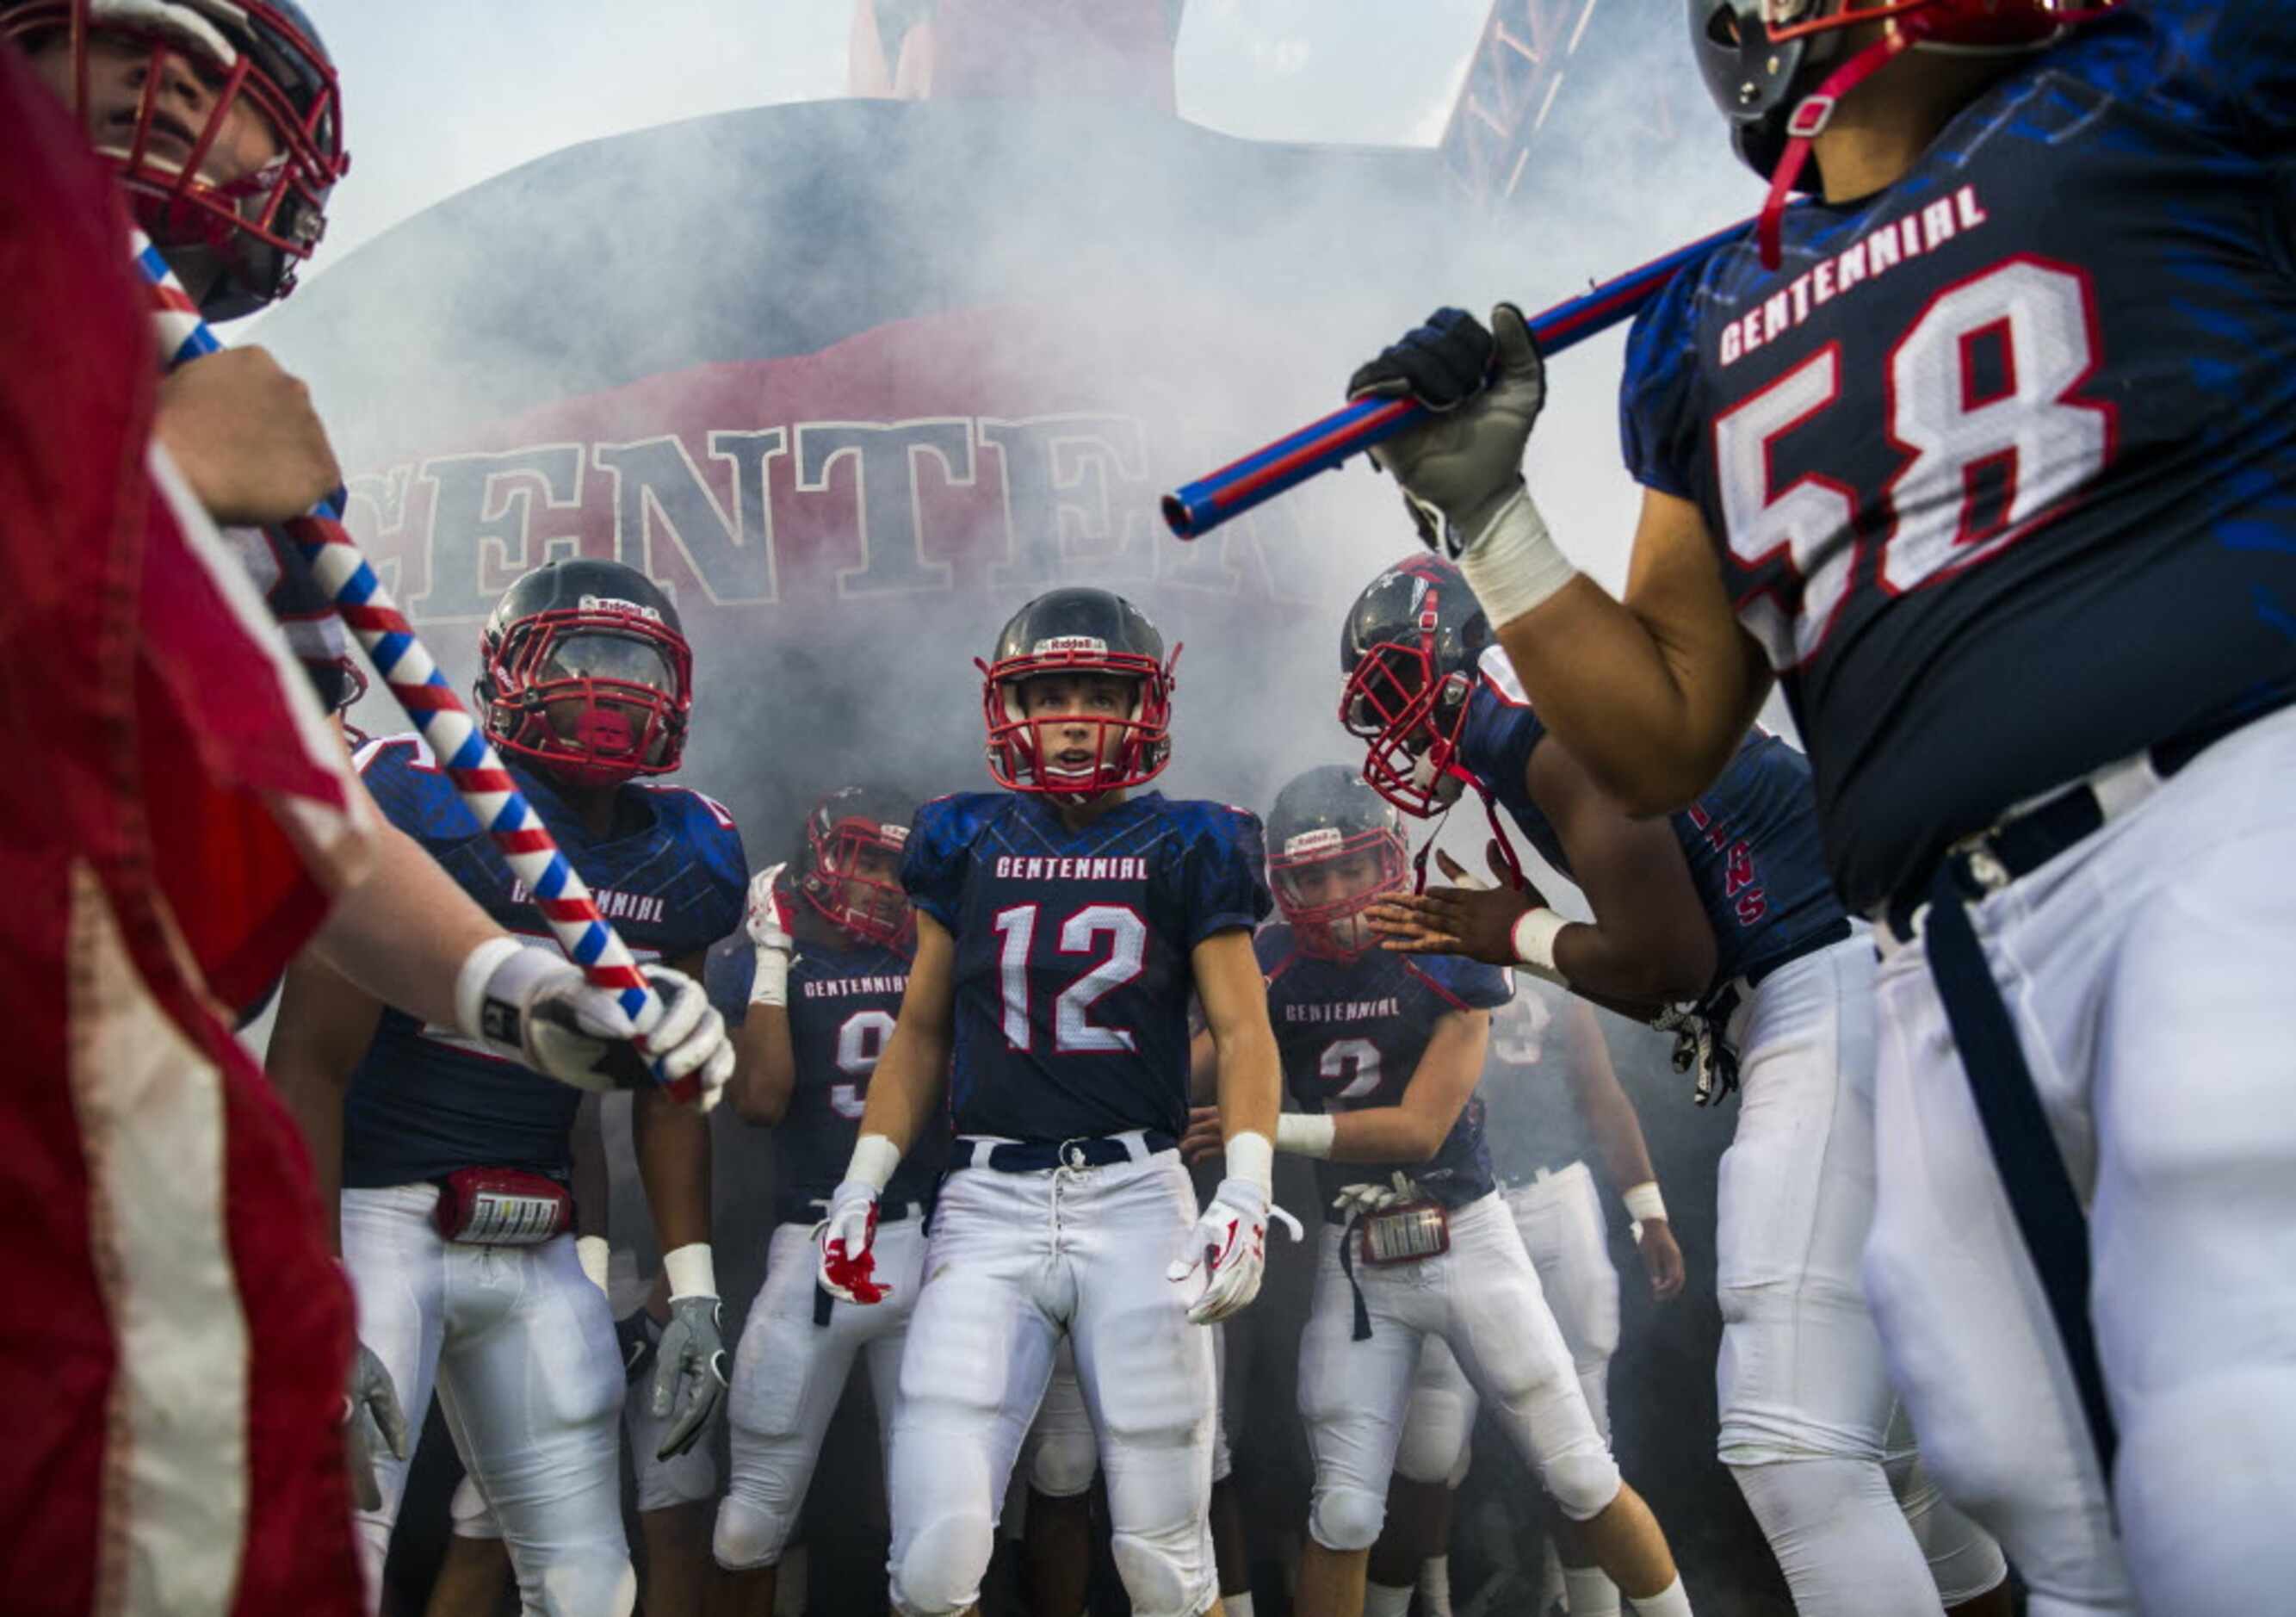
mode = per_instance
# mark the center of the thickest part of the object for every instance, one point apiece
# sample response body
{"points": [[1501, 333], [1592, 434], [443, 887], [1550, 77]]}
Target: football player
{"points": [[1383, 1055], [223, 120], [1061, 926], [833, 933], [454, 1163], [1986, 454], [1785, 996], [1553, 1097]]}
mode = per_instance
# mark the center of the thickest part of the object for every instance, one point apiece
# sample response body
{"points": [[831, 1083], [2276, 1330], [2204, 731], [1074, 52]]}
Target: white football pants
{"points": [[1559, 1215], [1482, 1299], [2148, 972], [788, 1374], [1806, 1400], [1015, 1260], [519, 1346]]}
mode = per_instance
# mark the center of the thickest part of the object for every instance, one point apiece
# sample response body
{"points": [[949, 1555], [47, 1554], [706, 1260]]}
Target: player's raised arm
{"points": [[765, 1058], [1652, 693], [902, 1091]]}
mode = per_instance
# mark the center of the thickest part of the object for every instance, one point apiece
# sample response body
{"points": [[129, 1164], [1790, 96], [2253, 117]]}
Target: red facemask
{"points": [[872, 910], [1335, 928], [1128, 751], [596, 695]]}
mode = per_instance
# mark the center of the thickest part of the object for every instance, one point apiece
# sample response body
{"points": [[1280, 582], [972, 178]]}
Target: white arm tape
{"points": [[770, 986], [1306, 1134], [691, 1271], [1251, 1155], [1643, 1204], [1534, 932], [1514, 564], [874, 1158], [597, 1257], [478, 969]]}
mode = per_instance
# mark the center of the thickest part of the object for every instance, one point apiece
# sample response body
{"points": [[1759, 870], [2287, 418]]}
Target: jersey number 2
{"points": [[1987, 454], [1074, 1032]]}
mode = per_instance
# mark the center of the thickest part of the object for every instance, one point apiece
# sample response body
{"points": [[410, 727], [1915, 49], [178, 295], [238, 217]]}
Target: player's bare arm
{"points": [[594, 1190], [765, 1066], [1415, 1130], [1650, 942], [673, 1153], [1618, 1136], [324, 1027], [402, 933], [903, 1090], [1250, 1084]]}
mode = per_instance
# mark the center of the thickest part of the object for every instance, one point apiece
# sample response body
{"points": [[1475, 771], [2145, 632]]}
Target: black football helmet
{"points": [[160, 125], [1410, 652], [586, 673], [1323, 821], [1761, 59], [841, 828], [1079, 630]]}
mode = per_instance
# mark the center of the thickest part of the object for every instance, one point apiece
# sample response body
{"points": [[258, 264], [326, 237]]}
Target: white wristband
{"points": [[1533, 937], [691, 1271], [478, 969], [1643, 1204], [597, 1257], [1250, 1155], [1306, 1134], [770, 986], [1514, 564], [874, 1158]]}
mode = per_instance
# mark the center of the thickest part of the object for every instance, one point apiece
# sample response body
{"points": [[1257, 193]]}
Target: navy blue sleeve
{"points": [[934, 861], [1658, 406], [1223, 882], [412, 792], [1469, 984], [1497, 742], [727, 975], [2233, 63]]}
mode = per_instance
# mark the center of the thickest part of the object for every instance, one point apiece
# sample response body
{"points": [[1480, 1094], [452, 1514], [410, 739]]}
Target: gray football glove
{"points": [[689, 1373], [1486, 388], [374, 1423]]}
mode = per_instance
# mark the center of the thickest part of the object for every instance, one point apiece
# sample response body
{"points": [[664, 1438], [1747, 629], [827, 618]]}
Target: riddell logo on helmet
{"points": [[1068, 643], [610, 604], [897, 835], [1312, 841]]}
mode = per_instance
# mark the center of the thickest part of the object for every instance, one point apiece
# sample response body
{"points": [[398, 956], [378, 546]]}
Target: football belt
{"points": [[503, 1207]]}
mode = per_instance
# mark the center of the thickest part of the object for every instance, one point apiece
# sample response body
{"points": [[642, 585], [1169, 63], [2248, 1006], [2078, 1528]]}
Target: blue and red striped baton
{"points": [[455, 739], [1196, 508]]}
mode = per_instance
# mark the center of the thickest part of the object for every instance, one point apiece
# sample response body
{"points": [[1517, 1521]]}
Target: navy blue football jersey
{"points": [[1533, 1122], [425, 1100], [1350, 1034], [1751, 840], [1072, 970], [2001, 462]]}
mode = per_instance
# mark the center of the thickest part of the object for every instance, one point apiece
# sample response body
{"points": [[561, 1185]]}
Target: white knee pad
{"points": [[588, 1583], [1154, 1573], [1061, 1463], [1582, 1479], [940, 1567], [1436, 1425], [472, 1517], [747, 1537], [1346, 1519]]}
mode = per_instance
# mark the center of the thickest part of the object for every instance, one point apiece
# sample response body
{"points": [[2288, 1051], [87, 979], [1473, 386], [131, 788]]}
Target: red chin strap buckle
{"points": [[1815, 111]]}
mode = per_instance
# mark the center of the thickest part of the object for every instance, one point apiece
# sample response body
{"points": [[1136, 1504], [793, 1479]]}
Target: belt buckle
{"points": [[1408, 1232], [1070, 1152]]}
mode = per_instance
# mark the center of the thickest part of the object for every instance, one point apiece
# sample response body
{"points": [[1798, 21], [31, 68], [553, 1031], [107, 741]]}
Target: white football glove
{"points": [[1357, 1200], [373, 1423], [847, 1239], [1229, 1242], [1487, 387], [689, 1372], [768, 926], [532, 1005]]}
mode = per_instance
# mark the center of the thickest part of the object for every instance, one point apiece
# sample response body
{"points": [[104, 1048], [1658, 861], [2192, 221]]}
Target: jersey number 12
{"points": [[1074, 1031]]}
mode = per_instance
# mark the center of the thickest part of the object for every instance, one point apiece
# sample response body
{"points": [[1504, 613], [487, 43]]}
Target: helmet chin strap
{"points": [[1816, 110]]}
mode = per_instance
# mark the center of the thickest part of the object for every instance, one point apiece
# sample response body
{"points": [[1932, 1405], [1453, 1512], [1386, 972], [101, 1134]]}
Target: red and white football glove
{"points": [[767, 921], [1229, 1241], [847, 1237]]}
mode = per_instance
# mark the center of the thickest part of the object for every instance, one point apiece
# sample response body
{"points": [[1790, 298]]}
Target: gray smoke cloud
{"points": [[1182, 295]]}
